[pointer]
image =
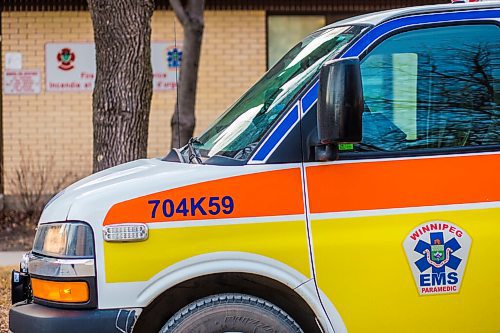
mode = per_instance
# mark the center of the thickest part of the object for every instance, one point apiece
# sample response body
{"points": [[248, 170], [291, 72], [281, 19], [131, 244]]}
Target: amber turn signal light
{"points": [[60, 291]]}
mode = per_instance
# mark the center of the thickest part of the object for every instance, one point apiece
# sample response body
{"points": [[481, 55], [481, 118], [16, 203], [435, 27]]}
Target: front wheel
{"points": [[231, 313]]}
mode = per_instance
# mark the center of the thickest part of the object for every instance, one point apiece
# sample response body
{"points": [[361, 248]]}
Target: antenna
{"points": [[177, 92]]}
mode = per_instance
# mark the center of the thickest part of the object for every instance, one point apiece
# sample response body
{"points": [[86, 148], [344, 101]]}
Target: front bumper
{"points": [[28, 318]]}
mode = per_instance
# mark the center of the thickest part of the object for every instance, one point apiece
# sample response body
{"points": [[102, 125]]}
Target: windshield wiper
{"points": [[194, 155]]}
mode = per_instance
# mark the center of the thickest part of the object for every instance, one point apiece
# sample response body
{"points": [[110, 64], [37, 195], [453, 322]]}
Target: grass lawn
{"points": [[5, 297]]}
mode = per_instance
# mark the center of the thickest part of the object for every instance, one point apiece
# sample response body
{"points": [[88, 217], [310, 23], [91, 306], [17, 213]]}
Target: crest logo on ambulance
{"points": [[437, 252]]}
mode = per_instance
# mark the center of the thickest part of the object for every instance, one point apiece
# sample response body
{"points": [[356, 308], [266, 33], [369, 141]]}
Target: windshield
{"points": [[238, 131]]}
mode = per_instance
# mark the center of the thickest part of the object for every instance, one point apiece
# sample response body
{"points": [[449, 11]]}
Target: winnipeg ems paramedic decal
{"points": [[437, 252]]}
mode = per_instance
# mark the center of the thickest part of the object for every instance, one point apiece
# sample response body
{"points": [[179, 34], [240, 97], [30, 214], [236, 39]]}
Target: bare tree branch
{"points": [[179, 11]]}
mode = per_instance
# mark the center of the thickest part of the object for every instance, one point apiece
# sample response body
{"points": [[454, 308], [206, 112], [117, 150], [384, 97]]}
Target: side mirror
{"points": [[340, 106]]}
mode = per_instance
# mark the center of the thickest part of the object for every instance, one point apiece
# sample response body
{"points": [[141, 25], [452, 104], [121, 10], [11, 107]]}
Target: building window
{"points": [[284, 31]]}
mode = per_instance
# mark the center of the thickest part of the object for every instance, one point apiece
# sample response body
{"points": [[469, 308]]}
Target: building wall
{"points": [[54, 130]]}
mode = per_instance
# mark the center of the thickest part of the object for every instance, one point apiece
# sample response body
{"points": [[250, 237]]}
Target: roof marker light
{"points": [[133, 232]]}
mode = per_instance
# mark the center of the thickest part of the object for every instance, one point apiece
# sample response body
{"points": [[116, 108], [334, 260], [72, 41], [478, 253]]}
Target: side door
{"points": [[405, 225]]}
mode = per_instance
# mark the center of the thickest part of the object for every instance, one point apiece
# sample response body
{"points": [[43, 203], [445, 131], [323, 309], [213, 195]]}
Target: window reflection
{"points": [[433, 88]]}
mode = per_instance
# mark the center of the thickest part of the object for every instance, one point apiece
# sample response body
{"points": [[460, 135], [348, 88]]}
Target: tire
{"points": [[231, 313]]}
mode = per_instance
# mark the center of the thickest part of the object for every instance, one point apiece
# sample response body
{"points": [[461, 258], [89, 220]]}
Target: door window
{"points": [[433, 88]]}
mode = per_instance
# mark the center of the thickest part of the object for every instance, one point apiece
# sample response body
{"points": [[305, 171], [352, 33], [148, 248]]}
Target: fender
{"points": [[226, 262]]}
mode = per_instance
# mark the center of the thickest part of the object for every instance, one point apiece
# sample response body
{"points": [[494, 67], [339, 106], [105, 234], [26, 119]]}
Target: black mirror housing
{"points": [[340, 104]]}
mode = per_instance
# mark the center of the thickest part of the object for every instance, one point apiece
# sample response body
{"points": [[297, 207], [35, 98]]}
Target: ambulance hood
{"points": [[91, 198]]}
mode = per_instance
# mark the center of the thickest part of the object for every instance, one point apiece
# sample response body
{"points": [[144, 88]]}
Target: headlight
{"points": [[62, 265], [64, 240]]}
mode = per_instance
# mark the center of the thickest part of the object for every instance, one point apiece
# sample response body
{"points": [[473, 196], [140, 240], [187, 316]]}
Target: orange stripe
{"points": [[260, 194], [404, 183]]}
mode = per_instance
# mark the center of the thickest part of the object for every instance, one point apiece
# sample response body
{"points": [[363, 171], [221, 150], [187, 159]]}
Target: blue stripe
{"points": [[310, 97], [355, 50], [278, 133], [378, 31]]}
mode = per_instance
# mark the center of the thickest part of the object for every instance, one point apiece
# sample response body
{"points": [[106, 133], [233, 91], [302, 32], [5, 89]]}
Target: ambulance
{"points": [[354, 188]]}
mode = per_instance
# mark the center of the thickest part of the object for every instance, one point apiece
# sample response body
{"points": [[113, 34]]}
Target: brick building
{"points": [[241, 39]]}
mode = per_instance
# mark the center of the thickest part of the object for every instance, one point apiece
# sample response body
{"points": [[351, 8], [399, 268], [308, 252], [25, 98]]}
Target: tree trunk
{"points": [[183, 120], [123, 86]]}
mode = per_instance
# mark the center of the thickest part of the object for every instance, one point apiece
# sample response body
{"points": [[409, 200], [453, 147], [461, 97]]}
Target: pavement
{"points": [[10, 258]]}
